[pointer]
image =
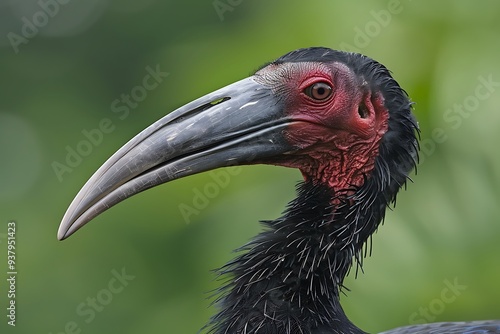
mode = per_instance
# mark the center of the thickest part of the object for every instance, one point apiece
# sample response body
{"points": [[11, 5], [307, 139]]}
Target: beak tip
{"points": [[66, 229], [61, 234]]}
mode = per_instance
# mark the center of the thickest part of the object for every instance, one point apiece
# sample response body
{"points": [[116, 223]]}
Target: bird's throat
{"points": [[292, 272]]}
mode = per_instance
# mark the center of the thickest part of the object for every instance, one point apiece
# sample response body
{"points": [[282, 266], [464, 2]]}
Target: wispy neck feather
{"points": [[288, 279]]}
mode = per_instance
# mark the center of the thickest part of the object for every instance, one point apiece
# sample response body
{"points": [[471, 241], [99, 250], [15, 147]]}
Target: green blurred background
{"points": [[60, 79]]}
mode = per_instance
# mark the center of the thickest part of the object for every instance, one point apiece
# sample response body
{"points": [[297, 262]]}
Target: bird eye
{"points": [[319, 91]]}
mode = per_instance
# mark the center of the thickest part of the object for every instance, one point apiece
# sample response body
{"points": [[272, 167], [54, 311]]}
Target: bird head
{"points": [[338, 117]]}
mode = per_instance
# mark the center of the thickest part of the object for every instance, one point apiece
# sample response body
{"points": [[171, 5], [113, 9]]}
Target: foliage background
{"points": [[64, 79]]}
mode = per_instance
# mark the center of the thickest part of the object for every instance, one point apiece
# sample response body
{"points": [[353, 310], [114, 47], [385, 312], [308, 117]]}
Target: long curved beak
{"points": [[239, 124]]}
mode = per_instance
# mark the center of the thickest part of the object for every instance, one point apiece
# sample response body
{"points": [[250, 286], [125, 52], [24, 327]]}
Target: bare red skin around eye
{"points": [[336, 145]]}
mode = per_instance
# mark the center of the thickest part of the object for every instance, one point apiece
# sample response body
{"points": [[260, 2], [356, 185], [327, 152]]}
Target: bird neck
{"points": [[290, 276]]}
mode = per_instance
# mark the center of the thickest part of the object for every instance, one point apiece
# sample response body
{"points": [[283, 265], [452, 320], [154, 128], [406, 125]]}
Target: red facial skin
{"points": [[337, 145]]}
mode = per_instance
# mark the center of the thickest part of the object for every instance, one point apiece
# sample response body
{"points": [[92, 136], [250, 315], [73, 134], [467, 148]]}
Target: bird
{"points": [[347, 125]]}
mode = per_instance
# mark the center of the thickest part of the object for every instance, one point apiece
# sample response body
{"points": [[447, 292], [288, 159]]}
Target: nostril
{"points": [[222, 99], [363, 111], [200, 109]]}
